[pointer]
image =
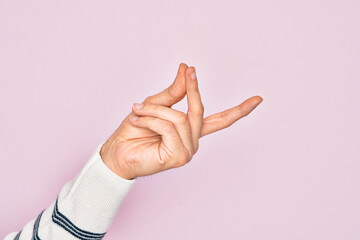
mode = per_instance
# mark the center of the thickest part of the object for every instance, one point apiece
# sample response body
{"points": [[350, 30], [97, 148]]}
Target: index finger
{"points": [[224, 119]]}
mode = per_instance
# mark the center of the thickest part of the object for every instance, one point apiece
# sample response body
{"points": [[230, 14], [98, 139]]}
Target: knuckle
{"points": [[181, 162], [148, 99], [183, 159], [168, 127], [198, 112], [181, 118], [149, 107], [224, 120], [245, 114], [194, 85], [172, 91], [194, 89], [202, 108]]}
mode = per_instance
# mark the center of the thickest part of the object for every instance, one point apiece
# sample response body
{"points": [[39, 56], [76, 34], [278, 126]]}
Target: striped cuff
{"points": [[61, 220], [89, 206]]}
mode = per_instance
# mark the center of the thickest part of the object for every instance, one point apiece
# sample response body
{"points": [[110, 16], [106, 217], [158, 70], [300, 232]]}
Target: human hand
{"points": [[155, 137]]}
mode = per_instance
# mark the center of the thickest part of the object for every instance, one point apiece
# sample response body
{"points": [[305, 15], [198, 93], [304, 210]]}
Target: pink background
{"points": [[70, 71]]}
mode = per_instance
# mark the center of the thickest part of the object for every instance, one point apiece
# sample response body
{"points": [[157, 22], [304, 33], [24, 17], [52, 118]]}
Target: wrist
{"points": [[111, 163]]}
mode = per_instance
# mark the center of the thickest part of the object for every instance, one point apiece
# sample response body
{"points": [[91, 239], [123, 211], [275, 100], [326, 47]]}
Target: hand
{"points": [[154, 137]]}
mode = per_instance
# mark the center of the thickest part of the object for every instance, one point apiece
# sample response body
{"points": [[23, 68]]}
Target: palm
{"points": [[144, 148]]}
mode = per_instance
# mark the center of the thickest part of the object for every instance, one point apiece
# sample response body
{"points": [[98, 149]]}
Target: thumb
{"points": [[174, 93]]}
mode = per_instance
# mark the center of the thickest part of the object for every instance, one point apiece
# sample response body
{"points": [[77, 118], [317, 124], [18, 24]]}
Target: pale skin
{"points": [[154, 137]]}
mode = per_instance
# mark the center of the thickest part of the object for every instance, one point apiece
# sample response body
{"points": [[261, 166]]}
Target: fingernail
{"points": [[133, 118], [193, 75], [137, 105]]}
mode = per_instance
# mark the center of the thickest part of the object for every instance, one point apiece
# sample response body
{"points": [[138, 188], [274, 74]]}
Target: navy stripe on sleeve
{"points": [[18, 235], [61, 220], [35, 235]]}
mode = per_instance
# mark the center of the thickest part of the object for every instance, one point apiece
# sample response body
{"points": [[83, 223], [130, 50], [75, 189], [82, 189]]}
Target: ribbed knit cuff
{"points": [[95, 195]]}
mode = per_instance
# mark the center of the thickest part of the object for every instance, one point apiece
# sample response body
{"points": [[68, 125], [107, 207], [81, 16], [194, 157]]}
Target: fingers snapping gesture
{"points": [[154, 137]]}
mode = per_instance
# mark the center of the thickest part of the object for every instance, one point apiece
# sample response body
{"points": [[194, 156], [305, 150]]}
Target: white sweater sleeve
{"points": [[84, 208]]}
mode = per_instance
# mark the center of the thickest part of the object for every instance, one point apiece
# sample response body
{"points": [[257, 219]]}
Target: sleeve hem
{"points": [[98, 188]]}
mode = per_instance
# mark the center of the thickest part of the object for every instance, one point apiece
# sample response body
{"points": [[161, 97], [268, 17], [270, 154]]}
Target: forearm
{"points": [[84, 208]]}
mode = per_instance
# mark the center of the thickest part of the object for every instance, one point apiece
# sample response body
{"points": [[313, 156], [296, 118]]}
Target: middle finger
{"points": [[195, 106]]}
